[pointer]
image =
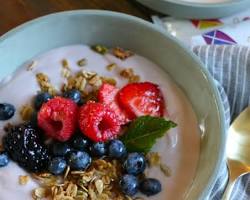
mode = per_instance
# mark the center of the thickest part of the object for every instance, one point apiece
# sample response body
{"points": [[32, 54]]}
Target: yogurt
{"points": [[179, 148]]}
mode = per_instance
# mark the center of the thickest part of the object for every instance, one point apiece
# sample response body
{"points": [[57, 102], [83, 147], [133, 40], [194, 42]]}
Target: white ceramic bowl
{"points": [[197, 9], [115, 29]]}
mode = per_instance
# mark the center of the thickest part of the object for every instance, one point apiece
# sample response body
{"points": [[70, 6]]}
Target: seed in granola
{"points": [[165, 169], [111, 66], [26, 112], [71, 190], [82, 62], [121, 53], [95, 81], [127, 73], [65, 63], [153, 158], [23, 180], [40, 192], [100, 49], [31, 65], [134, 79], [109, 80]]}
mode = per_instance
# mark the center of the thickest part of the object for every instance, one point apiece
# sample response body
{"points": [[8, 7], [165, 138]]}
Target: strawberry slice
{"points": [[107, 95], [139, 99]]}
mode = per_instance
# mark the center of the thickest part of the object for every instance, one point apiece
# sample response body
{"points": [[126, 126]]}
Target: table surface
{"points": [[16, 12]]}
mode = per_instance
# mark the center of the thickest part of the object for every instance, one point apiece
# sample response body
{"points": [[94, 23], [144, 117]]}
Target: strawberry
{"points": [[98, 122], [58, 118], [139, 99], [107, 95]]}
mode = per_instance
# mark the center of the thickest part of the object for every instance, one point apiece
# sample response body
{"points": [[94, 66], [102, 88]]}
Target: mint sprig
{"points": [[143, 132]]}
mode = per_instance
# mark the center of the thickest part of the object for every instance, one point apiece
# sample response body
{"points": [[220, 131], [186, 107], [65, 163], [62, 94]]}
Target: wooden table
{"points": [[16, 12]]}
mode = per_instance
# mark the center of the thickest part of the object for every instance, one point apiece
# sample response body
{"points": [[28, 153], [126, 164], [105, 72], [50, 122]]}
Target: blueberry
{"points": [[129, 184], [57, 165], [74, 95], [117, 149], [150, 186], [60, 149], [135, 163], [98, 149], [79, 160], [4, 159], [41, 98], [6, 111], [80, 142]]}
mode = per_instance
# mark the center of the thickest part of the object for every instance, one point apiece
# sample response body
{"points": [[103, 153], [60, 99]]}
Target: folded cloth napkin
{"points": [[229, 65], [234, 29]]}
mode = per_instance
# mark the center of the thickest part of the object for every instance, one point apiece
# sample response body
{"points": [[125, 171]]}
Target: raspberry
{"points": [[139, 99], [107, 95], [98, 122], [24, 145], [58, 118]]}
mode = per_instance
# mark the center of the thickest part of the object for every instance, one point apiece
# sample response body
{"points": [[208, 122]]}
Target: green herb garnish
{"points": [[143, 132]]}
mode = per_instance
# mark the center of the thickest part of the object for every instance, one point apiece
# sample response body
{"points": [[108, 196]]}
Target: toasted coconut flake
{"points": [[165, 169], [26, 112], [82, 62], [111, 66], [121, 53], [66, 172], [99, 186], [23, 180]]}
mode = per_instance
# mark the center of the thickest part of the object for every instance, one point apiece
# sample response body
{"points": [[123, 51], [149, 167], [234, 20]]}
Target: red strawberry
{"points": [[139, 99], [98, 122], [58, 118], [107, 95]]}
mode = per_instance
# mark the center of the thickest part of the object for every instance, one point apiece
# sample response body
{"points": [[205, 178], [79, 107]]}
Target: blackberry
{"points": [[24, 146]]}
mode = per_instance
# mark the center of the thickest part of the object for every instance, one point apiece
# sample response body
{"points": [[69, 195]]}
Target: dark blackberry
{"points": [[25, 147]]}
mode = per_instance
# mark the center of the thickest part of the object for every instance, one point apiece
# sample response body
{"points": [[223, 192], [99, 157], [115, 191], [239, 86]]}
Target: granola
{"points": [[99, 181], [121, 53]]}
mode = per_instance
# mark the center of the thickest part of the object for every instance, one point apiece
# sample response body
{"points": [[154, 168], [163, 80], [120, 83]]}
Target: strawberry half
{"points": [[58, 118], [98, 122], [107, 95], [139, 99]]}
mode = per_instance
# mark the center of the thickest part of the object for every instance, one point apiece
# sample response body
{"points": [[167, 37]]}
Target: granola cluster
{"points": [[98, 182], [44, 83]]}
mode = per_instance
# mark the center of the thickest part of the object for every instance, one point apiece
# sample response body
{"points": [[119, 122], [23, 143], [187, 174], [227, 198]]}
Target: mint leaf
{"points": [[143, 132]]}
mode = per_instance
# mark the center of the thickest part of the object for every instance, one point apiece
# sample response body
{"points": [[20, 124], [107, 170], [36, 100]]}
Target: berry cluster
{"points": [[81, 132]]}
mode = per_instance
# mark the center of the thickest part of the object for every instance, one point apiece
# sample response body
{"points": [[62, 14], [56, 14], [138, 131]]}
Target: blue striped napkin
{"points": [[229, 65]]}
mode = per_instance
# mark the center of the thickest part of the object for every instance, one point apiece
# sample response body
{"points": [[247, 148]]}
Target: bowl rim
{"points": [[149, 25], [207, 5]]}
